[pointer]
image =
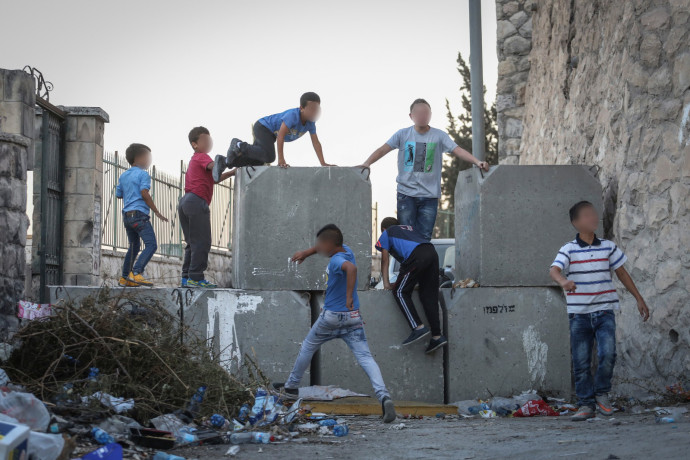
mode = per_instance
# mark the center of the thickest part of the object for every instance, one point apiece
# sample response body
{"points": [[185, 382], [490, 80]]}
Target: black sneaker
{"points": [[388, 409], [416, 335], [435, 344], [233, 152], [218, 167], [290, 393]]}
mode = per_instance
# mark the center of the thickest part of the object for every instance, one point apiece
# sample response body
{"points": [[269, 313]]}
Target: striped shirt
{"points": [[590, 266]]}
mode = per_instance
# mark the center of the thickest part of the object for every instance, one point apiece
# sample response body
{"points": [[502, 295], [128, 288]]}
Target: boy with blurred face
{"points": [[592, 300], [339, 317], [419, 167], [277, 129]]}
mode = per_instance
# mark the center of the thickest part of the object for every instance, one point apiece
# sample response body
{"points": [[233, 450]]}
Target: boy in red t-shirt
{"points": [[194, 211]]}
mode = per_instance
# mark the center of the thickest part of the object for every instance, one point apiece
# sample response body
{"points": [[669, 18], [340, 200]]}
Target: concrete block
{"points": [[506, 340], [278, 211], [80, 155], [79, 207], [409, 373], [510, 223], [17, 86]]}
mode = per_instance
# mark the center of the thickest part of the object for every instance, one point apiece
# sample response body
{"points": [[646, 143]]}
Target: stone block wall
{"points": [[609, 85]]}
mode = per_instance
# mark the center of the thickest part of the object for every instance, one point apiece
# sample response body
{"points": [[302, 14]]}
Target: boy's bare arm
{"points": [[468, 157], [385, 263], [351, 273], [376, 156], [146, 196], [629, 284], [565, 283], [280, 143], [299, 256], [319, 150]]}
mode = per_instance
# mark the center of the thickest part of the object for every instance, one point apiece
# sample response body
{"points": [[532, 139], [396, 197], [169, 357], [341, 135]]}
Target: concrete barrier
{"points": [[278, 211], [506, 340], [409, 373], [510, 223]]}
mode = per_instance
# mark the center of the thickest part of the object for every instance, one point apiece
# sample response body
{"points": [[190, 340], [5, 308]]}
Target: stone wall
{"points": [[609, 85]]}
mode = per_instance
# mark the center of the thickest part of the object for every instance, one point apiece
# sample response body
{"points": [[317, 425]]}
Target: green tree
{"points": [[460, 130]]}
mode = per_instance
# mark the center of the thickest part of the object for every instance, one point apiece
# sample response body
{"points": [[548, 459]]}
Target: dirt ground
{"points": [[624, 436]]}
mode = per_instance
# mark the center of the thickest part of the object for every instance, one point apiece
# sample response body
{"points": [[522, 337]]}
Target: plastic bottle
{"points": [[665, 420], [218, 421], [474, 410], [340, 430], [101, 436], [328, 422], [195, 402], [244, 413], [187, 436], [255, 437], [259, 404], [166, 456]]}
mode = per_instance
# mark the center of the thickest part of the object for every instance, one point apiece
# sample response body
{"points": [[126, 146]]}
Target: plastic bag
{"points": [[463, 406], [108, 452], [26, 408], [45, 446], [504, 406], [535, 408]]}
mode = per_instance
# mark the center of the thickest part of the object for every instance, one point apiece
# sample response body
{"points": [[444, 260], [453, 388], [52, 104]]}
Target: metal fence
{"points": [[166, 190], [445, 224]]}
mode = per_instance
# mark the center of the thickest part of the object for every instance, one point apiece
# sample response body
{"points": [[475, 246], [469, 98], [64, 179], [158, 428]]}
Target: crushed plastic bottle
{"points": [[218, 421], [195, 403], [101, 436], [665, 420], [257, 411], [292, 412], [244, 413], [167, 456], [341, 430], [474, 410], [187, 436], [254, 437], [328, 422]]}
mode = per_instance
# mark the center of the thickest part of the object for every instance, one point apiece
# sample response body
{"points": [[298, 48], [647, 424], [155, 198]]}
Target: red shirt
{"points": [[199, 180]]}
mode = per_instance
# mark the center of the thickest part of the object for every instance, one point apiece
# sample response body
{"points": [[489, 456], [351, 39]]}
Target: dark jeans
{"points": [[195, 220], [262, 151], [138, 227], [584, 328], [418, 212], [420, 267]]}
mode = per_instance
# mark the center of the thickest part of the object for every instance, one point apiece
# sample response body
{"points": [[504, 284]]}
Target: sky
{"points": [[161, 67]]}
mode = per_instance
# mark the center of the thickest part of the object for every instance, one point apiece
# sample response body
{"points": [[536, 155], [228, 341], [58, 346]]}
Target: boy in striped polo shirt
{"points": [[592, 299]]}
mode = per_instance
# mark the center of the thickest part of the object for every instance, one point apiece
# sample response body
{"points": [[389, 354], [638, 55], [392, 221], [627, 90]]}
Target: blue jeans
{"points": [[138, 228], [584, 328], [349, 327], [418, 212]]}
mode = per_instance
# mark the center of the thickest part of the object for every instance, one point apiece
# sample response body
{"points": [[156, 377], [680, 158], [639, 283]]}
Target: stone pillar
{"points": [[513, 43], [82, 195], [17, 99]]}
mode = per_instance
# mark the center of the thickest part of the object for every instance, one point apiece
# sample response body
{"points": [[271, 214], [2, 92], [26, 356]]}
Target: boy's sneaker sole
{"points": [[388, 410], [289, 393], [233, 153], [218, 167], [436, 344], [416, 336], [581, 416]]}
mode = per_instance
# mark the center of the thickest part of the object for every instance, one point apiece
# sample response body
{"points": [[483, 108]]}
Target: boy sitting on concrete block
{"points": [[418, 264], [592, 299], [339, 317]]}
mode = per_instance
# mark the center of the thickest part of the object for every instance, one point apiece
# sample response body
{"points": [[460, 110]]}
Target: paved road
{"points": [[626, 436]]}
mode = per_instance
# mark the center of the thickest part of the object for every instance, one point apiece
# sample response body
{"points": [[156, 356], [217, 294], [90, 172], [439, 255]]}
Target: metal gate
{"points": [[52, 138]]}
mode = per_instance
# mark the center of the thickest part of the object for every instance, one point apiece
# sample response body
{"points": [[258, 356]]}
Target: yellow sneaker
{"points": [[124, 282], [139, 279]]}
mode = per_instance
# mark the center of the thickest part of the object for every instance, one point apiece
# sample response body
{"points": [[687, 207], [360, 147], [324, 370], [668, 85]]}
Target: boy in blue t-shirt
{"points": [[339, 317], [418, 264], [274, 129], [133, 187]]}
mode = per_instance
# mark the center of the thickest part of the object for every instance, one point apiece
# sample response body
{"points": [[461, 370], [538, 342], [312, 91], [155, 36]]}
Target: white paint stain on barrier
{"points": [[223, 310], [537, 352], [684, 131]]}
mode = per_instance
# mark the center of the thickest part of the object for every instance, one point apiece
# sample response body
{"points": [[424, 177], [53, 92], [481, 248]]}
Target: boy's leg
{"points": [[426, 210], [605, 333], [262, 151], [321, 332], [198, 234], [184, 223], [403, 288], [407, 210], [146, 233], [132, 251], [581, 341], [428, 287], [356, 340]]}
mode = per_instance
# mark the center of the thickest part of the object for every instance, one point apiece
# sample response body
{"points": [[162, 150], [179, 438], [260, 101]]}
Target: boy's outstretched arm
{"points": [[565, 283], [385, 262], [319, 150], [299, 256], [149, 202], [376, 156], [351, 273], [280, 143], [468, 157], [627, 281]]}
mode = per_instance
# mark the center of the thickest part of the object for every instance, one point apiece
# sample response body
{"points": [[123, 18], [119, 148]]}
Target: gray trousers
{"points": [[195, 220]]}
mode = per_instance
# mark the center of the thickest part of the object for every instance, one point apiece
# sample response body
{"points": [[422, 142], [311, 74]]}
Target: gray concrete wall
{"points": [[506, 340], [409, 373], [278, 212], [510, 223]]}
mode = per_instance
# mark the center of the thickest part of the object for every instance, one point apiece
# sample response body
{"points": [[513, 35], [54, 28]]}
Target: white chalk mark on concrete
{"points": [[684, 125], [536, 352]]}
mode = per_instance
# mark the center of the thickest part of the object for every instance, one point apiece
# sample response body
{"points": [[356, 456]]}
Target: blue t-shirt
{"points": [[336, 282], [292, 121], [400, 241], [129, 188]]}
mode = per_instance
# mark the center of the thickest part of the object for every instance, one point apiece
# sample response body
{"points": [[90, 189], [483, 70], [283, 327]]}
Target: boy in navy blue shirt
{"points": [[418, 264], [133, 188], [274, 129], [339, 317]]}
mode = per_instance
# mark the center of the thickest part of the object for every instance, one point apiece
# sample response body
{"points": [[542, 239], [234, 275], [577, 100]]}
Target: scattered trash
{"points": [[45, 446], [119, 405], [464, 406], [233, 450], [171, 423], [101, 437], [25, 408], [166, 456], [154, 439], [324, 431], [255, 437], [532, 408], [526, 396], [397, 426], [325, 393], [474, 410], [441, 415], [680, 389], [466, 283], [342, 430], [4, 379], [487, 414], [308, 427], [111, 451], [504, 406], [14, 439], [31, 311], [218, 421], [118, 426], [328, 422]]}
